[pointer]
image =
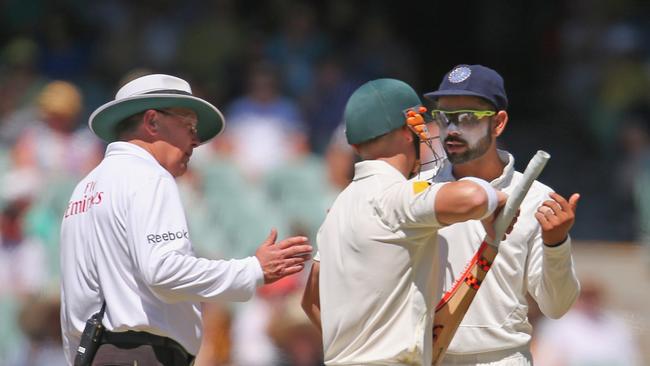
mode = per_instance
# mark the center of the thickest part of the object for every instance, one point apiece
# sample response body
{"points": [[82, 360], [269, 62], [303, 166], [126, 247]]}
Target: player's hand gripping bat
{"points": [[454, 304]]}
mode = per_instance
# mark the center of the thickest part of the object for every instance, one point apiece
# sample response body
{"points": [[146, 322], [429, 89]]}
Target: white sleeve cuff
{"points": [[561, 248], [493, 200], [257, 272]]}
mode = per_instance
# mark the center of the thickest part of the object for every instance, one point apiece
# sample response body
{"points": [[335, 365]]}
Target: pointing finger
{"points": [[573, 201]]}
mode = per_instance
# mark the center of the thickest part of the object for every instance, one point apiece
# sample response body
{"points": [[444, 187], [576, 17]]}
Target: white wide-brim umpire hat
{"points": [[155, 91]]}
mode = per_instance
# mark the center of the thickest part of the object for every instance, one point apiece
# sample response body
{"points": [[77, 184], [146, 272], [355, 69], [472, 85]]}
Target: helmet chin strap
{"points": [[417, 164], [415, 122]]}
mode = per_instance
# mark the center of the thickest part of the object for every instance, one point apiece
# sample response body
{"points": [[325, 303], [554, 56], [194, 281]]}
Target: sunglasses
{"points": [[189, 122], [461, 118]]}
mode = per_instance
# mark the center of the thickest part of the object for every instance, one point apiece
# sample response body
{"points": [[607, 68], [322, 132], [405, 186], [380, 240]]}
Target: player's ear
{"points": [[406, 132], [500, 122], [150, 122]]}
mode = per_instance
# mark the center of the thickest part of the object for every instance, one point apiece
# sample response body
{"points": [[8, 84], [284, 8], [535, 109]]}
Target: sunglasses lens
{"points": [[460, 119], [466, 120], [440, 118]]}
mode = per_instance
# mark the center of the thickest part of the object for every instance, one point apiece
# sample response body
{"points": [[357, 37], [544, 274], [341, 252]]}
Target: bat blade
{"points": [[454, 305]]}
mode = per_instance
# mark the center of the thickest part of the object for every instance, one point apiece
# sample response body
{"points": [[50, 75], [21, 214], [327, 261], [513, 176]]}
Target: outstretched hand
{"points": [[284, 258], [556, 217]]}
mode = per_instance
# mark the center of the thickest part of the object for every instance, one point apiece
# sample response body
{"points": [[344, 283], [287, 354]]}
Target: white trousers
{"points": [[510, 357]]}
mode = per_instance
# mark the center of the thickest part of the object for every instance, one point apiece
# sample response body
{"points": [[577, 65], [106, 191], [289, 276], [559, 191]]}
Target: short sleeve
{"points": [[409, 204]]}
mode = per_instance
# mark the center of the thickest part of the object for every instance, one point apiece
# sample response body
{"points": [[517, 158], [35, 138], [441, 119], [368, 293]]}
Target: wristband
{"points": [[493, 200]]}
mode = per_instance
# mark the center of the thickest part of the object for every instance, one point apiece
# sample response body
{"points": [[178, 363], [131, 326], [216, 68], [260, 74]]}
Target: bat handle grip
{"points": [[533, 170]]}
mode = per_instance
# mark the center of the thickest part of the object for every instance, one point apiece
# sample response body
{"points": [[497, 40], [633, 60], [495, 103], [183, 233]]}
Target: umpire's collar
{"points": [[127, 148]]}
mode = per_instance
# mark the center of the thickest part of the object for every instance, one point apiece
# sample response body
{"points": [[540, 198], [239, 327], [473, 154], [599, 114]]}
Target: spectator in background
{"points": [[587, 335], [272, 330], [20, 84], [324, 101], [230, 202], [297, 47], [624, 81], [64, 55], [39, 321], [339, 160], [299, 188], [641, 186], [378, 51], [23, 275], [632, 151], [159, 33], [262, 123], [216, 25], [253, 344], [216, 345], [604, 72], [23, 270], [297, 340], [54, 146], [55, 151]]}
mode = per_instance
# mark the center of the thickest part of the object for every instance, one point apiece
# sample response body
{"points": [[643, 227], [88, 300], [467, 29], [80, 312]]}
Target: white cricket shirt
{"points": [[124, 238], [376, 247], [498, 317]]}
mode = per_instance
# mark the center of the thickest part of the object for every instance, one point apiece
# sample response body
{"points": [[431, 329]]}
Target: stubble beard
{"points": [[471, 153]]}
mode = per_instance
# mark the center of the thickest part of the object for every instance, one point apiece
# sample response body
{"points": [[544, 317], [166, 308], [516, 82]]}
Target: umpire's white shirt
{"points": [[376, 247], [124, 239], [497, 319]]}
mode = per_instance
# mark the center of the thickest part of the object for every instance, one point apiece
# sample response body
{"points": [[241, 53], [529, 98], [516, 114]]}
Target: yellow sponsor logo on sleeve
{"points": [[419, 186]]}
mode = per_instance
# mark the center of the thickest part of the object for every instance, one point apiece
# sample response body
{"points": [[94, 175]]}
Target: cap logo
{"points": [[459, 74]]}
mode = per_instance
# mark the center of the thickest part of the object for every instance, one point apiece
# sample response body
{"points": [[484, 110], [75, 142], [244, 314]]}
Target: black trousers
{"points": [[140, 349]]}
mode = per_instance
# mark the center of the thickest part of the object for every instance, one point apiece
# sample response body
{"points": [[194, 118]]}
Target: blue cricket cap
{"points": [[473, 80]]}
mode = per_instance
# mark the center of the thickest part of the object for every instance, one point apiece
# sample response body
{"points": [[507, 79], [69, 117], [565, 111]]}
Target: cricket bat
{"points": [[454, 304]]}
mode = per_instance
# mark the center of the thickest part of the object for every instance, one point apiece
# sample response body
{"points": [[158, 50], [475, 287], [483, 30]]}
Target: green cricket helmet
{"points": [[376, 108]]}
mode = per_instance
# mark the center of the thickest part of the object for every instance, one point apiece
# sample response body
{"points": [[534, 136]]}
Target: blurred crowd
{"points": [[589, 334], [281, 71]]}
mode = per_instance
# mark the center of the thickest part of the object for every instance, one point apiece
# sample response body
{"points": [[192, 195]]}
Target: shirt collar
{"points": [[446, 174], [127, 148], [368, 168], [505, 178]]}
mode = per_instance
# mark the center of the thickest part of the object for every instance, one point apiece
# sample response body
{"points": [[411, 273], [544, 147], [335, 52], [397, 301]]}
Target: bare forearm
{"points": [[311, 296], [313, 313]]}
